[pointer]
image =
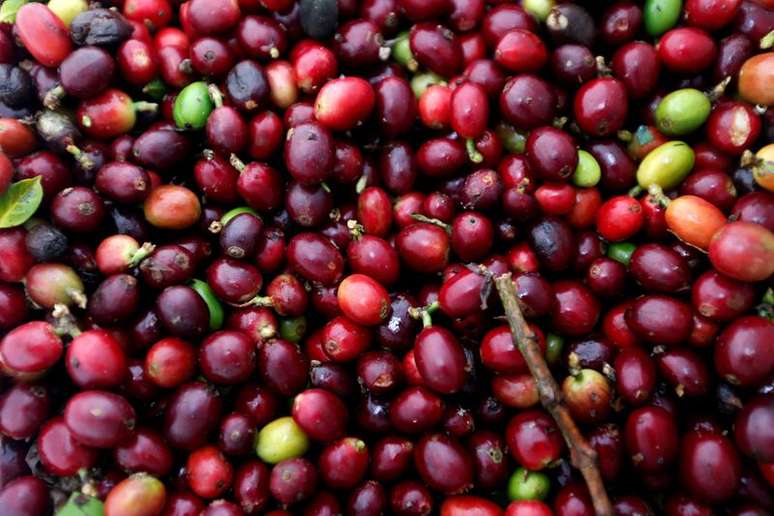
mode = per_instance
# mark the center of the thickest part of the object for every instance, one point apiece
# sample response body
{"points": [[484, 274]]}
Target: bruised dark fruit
{"points": [[255, 257]]}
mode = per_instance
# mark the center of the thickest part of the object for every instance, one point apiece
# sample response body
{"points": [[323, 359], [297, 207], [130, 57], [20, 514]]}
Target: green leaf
{"points": [[9, 9], [20, 202], [80, 504]]}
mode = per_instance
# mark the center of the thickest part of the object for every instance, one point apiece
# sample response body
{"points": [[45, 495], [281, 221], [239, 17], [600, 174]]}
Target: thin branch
{"points": [[583, 456]]}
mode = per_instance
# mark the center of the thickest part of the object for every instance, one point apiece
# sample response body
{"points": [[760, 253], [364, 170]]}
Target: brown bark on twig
{"points": [[582, 455]]}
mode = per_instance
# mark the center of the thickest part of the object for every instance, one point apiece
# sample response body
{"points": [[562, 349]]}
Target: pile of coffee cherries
{"points": [[247, 251]]}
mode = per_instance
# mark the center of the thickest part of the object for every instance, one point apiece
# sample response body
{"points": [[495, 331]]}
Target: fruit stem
{"points": [[657, 193], [602, 69], [473, 154], [441, 224], [215, 95], [719, 90], [146, 107], [265, 301], [635, 191], [583, 456], [186, 67], [236, 162], [356, 229], [155, 89], [64, 322], [54, 97], [385, 52], [79, 297], [82, 159], [215, 227], [424, 313], [361, 184], [140, 254], [767, 41]]}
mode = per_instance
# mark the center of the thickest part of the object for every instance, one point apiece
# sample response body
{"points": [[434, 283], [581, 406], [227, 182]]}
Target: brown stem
{"points": [[583, 456]]}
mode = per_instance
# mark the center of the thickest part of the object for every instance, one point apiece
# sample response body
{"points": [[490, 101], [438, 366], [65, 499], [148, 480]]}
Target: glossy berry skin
{"points": [[552, 153], [443, 464], [637, 66], [25, 496], [469, 110], [752, 428], [30, 348], [23, 408], [343, 103], [635, 375], [344, 340], [651, 438], [659, 268], [309, 154], [95, 360], [435, 47], [646, 319], [521, 51], [293, 481], [209, 473], [743, 251], [100, 419], [576, 309], [467, 504], [190, 402], [733, 127], [314, 258], [32, 23], [528, 101], [227, 357], [146, 451], [743, 351], [619, 218], [60, 452], [533, 439], [415, 410], [687, 50], [343, 463], [423, 247], [710, 15], [709, 466], [440, 360], [601, 106], [321, 414], [721, 298]]}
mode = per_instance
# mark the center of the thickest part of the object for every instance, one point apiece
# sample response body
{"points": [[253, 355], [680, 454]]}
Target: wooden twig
{"points": [[582, 455]]}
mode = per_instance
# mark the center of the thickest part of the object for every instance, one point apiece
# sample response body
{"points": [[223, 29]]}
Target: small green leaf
{"points": [[9, 9], [80, 504], [20, 202]]}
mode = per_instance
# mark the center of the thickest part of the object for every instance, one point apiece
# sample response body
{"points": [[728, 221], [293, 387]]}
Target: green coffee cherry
{"points": [[421, 81], [554, 347], [80, 504], [67, 10], [666, 165], [528, 485], [292, 328], [230, 214], [661, 15], [588, 172], [621, 252], [682, 112], [211, 300], [401, 51], [538, 8], [513, 140], [280, 440], [192, 106]]}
